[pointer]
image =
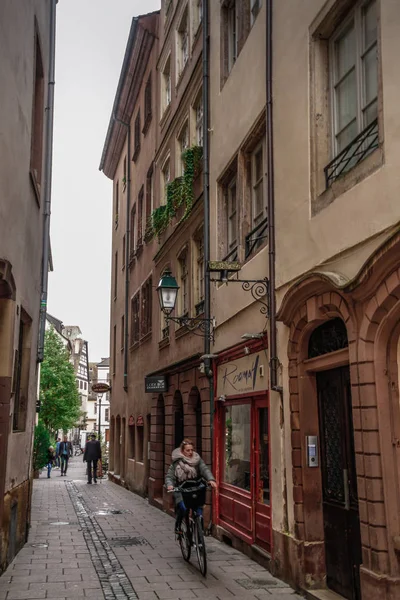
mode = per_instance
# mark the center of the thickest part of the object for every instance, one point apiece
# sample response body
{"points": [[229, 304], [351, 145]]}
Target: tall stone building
{"points": [[26, 50]]}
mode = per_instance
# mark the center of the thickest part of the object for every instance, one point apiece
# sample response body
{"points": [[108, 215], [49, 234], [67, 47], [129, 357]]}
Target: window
{"points": [[135, 319], [140, 443], [148, 113], [198, 108], [231, 207], [146, 307], [149, 195], [183, 292], [131, 442], [199, 271], [115, 275], [257, 183], [122, 332], [237, 446], [37, 120], [183, 144], [354, 74], [95, 408], [116, 205], [123, 251], [133, 232], [107, 414], [20, 386], [140, 218], [166, 84], [136, 138], [232, 34], [183, 42], [255, 6], [114, 349], [165, 179]]}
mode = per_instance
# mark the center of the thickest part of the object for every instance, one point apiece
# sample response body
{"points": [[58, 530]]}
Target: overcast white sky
{"points": [[91, 41]]}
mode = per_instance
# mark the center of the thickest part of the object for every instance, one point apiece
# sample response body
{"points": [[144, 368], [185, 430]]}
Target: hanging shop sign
{"points": [[140, 421], [243, 375], [156, 383], [131, 421], [100, 387]]}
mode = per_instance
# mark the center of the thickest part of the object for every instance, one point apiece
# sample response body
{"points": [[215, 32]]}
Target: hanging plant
{"points": [[179, 192]]}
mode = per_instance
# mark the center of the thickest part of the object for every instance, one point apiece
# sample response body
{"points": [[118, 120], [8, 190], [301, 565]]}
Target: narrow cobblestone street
{"points": [[78, 547]]}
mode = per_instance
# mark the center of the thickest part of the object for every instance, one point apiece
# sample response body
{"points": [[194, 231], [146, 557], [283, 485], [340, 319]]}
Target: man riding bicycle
{"points": [[186, 465]]}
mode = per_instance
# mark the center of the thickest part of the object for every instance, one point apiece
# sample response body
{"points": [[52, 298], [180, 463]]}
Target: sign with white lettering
{"points": [[156, 383], [243, 375]]}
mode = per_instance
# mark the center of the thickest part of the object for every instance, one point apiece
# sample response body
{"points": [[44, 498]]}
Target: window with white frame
{"points": [[198, 108], [183, 144], [166, 84], [232, 34], [165, 179], [257, 185], [183, 292], [183, 42], [354, 74], [255, 6], [231, 207]]}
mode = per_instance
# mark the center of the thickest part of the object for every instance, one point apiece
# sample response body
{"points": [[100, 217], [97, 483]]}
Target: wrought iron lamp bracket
{"points": [[258, 288], [196, 325]]}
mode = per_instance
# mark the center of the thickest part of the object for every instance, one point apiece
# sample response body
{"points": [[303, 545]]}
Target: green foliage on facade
{"points": [[41, 445], [179, 192], [59, 398]]}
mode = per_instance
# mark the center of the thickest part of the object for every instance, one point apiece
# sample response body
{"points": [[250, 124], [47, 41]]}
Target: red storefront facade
{"points": [[242, 510]]}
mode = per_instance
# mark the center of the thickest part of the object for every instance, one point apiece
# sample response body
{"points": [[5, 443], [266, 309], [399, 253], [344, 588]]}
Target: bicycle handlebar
{"points": [[195, 488]]}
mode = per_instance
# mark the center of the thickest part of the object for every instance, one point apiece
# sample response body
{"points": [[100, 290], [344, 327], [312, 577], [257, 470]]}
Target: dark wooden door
{"points": [[340, 500]]}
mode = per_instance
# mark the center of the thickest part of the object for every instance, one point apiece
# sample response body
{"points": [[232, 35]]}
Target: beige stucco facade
{"points": [[23, 72]]}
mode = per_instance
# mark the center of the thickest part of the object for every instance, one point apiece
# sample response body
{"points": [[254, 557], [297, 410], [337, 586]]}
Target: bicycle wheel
{"points": [[185, 540], [200, 545]]}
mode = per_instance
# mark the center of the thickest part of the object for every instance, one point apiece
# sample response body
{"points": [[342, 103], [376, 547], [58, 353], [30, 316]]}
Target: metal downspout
{"points": [[274, 361], [206, 201], [127, 248], [48, 171]]}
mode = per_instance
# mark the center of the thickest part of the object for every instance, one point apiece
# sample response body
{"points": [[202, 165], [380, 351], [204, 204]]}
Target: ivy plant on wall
{"points": [[179, 192]]}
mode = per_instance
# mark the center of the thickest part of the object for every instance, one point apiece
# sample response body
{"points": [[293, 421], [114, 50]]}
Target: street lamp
{"points": [[100, 396], [167, 291]]}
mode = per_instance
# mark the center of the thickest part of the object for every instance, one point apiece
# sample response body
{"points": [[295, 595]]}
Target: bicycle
{"points": [[192, 534]]}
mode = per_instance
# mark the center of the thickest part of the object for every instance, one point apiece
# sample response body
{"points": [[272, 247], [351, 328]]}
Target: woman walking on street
{"points": [[50, 460]]}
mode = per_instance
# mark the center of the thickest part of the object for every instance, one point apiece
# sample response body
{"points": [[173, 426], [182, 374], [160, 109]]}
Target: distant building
{"points": [[103, 376]]}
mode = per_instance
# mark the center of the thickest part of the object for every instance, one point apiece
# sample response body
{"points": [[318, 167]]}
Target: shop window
{"points": [[140, 442], [237, 446]]}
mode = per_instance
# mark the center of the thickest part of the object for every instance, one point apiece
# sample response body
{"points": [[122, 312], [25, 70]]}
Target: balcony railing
{"points": [[232, 256], [365, 143], [199, 308], [256, 237]]}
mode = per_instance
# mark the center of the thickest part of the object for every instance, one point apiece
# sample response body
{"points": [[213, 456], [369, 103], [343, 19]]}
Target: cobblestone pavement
{"points": [[78, 547]]}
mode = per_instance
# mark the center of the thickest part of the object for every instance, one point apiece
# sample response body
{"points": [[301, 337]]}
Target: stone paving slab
{"points": [[77, 549]]}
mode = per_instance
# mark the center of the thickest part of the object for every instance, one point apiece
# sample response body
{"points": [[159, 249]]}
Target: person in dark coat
{"points": [[186, 465], [51, 457], [64, 452], [92, 455]]}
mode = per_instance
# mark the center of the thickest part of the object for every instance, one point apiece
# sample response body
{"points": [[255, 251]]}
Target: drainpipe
{"points": [[127, 248], [47, 176], [206, 201], [274, 361]]}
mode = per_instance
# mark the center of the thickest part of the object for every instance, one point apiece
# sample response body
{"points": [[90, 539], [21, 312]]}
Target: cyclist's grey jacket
{"points": [[183, 468]]}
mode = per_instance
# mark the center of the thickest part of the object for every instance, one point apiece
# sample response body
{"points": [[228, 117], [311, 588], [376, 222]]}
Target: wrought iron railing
{"points": [[232, 256], [365, 143], [165, 333], [199, 308], [256, 237]]}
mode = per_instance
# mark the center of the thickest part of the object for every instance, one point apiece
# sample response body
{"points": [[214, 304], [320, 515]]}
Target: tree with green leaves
{"points": [[59, 398], [40, 446]]}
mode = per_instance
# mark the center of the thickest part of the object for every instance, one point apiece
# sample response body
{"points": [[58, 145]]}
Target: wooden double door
{"points": [[339, 483]]}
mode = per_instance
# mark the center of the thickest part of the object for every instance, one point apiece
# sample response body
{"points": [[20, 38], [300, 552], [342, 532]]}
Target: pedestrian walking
{"points": [[92, 455], [51, 456], [65, 451], [58, 462]]}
